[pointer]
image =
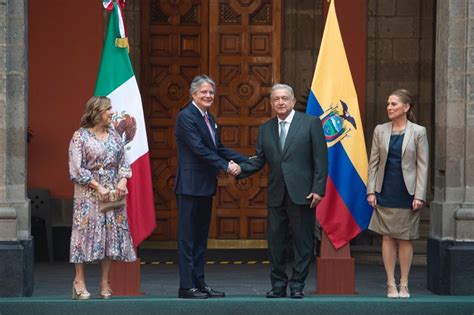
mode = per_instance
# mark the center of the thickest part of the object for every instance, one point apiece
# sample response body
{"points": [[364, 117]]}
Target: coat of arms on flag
{"points": [[337, 123]]}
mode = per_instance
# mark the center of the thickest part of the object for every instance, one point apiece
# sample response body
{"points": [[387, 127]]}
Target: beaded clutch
{"points": [[114, 201]]}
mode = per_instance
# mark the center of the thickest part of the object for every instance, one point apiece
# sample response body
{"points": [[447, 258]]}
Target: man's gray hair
{"points": [[198, 80], [280, 86]]}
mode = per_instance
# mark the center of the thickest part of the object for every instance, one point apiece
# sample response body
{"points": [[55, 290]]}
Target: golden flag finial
{"points": [[122, 43]]}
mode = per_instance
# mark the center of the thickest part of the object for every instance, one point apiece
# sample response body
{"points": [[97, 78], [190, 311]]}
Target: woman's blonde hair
{"points": [[95, 106], [406, 97]]}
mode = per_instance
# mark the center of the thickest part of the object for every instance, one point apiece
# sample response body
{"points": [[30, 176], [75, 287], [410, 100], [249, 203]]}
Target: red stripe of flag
{"points": [[338, 222], [140, 204]]}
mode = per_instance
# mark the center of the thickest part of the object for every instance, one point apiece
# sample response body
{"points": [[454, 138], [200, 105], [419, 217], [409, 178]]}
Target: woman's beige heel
{"points": [[80, 294], [392, 292], [404, 293], [105, 293]]}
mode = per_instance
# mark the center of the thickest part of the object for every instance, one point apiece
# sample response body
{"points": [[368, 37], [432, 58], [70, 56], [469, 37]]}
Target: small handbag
{"points": [[114, 201]]}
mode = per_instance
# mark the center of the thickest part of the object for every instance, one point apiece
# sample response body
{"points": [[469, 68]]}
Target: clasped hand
{"points": [[121, 187], [233, 168], [103, 193]]}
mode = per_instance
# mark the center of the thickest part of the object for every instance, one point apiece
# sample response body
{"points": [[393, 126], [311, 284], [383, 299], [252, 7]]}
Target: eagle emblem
{"points": [[126, 126]]}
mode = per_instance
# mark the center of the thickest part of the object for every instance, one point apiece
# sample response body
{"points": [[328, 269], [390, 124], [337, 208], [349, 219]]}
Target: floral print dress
{"points": [[96, 235]]}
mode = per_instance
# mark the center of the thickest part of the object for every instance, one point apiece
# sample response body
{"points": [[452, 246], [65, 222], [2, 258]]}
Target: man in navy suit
{"points": [[200, 157]]}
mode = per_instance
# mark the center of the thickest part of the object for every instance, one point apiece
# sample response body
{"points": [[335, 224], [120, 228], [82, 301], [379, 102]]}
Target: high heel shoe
{"points": [[105, 293], [80, 294], [404, 293], [392, 292]]}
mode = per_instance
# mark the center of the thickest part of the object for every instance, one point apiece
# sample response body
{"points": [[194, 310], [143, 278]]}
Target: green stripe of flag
{"points": [[115, 66]]}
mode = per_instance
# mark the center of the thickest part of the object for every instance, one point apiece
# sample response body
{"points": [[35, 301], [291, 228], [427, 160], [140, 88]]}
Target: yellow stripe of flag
{"points": [[332, 82]]}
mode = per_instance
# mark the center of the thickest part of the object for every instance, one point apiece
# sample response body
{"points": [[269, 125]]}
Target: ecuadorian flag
{"points": [[344, 211]]}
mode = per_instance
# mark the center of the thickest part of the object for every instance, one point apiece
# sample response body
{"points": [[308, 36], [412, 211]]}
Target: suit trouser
{"points": [[194, 217], [301, 219]]}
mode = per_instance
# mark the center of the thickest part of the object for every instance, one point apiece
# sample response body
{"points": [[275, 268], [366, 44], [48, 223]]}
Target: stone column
{"points": [[451, 242], [16, 250]]}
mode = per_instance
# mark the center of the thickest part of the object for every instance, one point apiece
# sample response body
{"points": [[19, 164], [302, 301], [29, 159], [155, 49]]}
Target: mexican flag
{"points": [[116, 80]]}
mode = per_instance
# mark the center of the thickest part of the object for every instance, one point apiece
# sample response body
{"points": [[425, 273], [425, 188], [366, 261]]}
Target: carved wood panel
{"points": [[237, 42], [174, 50], [244, 60]]}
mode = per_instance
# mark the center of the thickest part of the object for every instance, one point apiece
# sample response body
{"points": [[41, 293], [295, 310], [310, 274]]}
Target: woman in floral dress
{"points": [[97, 164]]}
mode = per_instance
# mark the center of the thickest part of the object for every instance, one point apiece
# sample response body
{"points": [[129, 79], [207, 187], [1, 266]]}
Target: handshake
{"points": [[233, 168]]}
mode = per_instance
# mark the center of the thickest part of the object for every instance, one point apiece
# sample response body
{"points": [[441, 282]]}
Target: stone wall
{"points": [[302, 34], [400, 54]]}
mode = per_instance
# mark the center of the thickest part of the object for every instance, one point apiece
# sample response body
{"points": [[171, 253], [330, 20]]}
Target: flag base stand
{"points": [[335, 269], [125, 278]]}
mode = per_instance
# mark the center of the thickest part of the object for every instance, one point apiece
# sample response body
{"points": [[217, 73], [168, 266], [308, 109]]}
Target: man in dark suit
{"points": [[200, 157], [294, 147]]}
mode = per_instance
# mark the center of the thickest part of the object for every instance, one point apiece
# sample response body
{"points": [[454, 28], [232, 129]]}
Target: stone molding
{"points": [[464, 223], [8, 226]]}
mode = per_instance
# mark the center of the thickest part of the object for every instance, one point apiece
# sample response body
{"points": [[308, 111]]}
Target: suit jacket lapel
{"points": [[408, 135], [292, 131], [386, 137], [275, 135], [202, 124], [213, 127]]}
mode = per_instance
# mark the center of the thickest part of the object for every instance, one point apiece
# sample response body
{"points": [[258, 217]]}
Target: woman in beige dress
{"points": [[396, 187]]}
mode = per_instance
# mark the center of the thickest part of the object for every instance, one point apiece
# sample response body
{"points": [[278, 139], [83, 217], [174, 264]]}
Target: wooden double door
{"points": [[238, 43]]}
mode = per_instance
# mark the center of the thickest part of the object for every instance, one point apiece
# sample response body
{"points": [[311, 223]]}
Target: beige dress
{"points": [[398, 223]]}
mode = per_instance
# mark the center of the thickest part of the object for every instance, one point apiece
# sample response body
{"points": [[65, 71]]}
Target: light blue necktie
{"points": [[282, 133]]}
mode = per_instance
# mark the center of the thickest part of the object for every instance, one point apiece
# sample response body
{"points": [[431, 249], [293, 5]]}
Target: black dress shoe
{"points": [[276, 293], [297, 294], [191, 294], [211, 292]]}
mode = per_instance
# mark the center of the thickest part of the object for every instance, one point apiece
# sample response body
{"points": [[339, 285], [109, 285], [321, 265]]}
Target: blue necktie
{"points": [[282, 133]]}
